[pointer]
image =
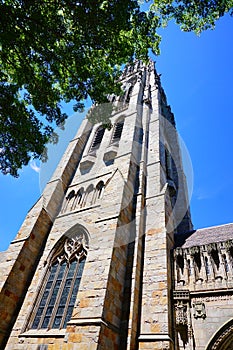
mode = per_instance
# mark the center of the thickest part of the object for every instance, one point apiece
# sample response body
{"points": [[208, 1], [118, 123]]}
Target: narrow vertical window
{"points": [[79, 197], [207, 267], [68, 201], [99, 190], [225, 263], [60, 289], [88, 198], [129, 94], [168, 164], [97, 138], [117, 131]]}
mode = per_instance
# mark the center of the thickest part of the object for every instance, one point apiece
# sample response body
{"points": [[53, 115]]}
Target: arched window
{"points": [[117, 131], [68, 201], [99, 188], [88, 195], [97, 138], [61, 285], [79, 197], [98, 191], [129, 94]]}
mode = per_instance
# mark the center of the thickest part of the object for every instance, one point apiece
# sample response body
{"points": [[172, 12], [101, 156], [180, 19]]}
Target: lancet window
{"points": [[117, 131], [99, 189], [59, 291], [88, 197], [129, 94], [168, 164], [126, 95], [69, 201], [79, 197], [97, 138]]}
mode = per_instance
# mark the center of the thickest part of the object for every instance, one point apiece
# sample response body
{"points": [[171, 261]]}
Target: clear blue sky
{"points": [[197, 75]]}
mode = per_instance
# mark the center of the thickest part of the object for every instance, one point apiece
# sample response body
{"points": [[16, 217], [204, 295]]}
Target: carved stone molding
{"points": [[229, 244], [199, 310], [181, 295], [211, 246], [223, 339], [194, 250], [213, 298], [181, 313]]}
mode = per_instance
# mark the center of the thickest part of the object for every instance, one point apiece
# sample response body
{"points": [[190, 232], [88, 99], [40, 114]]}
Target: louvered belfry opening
{"points": [[118, 131], [97, 138]]}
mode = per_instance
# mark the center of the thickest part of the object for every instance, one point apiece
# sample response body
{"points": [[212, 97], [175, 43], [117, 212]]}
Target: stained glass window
{"points": [[61, 286]]}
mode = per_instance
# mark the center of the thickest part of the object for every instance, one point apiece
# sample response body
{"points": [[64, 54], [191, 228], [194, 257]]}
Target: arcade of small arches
{"points": [[83, 198]]}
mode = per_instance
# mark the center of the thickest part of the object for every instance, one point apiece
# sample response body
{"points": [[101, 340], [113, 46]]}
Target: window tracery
{"points": [[61, 285]]}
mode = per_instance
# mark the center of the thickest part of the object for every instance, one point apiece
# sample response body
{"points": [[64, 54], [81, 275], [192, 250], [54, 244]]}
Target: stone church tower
{"points": [[93, 265]]}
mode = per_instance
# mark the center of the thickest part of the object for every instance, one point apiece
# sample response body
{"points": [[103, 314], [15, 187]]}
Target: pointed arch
{"points": [[88, 196], [223, 338], [59, 289], [98, 191], [78, 198], [68, 201], [97, 138], [117, 130], [99, 188], [129, 94]]}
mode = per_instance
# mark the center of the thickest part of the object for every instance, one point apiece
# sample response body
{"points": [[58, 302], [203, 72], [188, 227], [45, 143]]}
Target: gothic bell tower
{"points": [[90, 267]]}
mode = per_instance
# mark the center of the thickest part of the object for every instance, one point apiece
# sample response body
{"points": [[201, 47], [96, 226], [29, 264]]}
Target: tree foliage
{"points": [[54, 51], [196, 15]]}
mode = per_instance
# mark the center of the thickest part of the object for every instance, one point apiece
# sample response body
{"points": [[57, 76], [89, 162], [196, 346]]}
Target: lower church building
{"points": [[107, 258]]}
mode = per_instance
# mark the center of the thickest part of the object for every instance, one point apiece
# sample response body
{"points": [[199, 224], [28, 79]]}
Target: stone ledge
{"points": [[87, 321], [107, 219], [98, 321], [211, 292], [78, 210], [43, 333], [20, 239], [154, 337]]}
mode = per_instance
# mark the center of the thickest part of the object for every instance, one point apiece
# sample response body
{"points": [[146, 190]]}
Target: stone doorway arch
{"points": [[223, 338]]}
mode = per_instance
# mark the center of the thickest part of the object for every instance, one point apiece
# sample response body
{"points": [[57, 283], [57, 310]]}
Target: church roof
{"points": [[205, 236]]}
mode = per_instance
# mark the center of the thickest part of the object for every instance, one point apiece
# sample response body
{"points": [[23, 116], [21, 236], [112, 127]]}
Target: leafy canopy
{"points": [[54, 51]]}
